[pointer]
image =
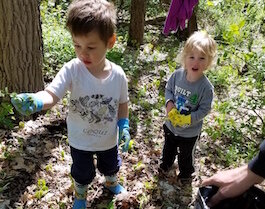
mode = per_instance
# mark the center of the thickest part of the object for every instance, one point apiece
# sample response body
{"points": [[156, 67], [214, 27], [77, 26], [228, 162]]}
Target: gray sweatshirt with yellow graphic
{"points": [[193, 98]]}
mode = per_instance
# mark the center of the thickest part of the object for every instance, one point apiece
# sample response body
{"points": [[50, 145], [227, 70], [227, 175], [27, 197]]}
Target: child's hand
{"points": [[124, 134], [169, 106], [177, 119], [27, 103], [172, 116]]}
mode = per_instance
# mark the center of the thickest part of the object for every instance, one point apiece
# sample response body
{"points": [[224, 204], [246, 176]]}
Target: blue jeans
{"points": [[83, 167]]}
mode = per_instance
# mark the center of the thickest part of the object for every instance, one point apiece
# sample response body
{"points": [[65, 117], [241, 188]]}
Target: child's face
{"points": [[91, 50], [196, 62]]}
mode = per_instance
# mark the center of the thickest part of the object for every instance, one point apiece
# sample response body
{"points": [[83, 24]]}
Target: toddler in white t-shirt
{"points": [[98, 100]]}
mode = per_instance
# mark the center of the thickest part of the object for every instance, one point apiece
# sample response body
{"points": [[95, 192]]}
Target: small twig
{"points": [[95, 193], [255, 113]]}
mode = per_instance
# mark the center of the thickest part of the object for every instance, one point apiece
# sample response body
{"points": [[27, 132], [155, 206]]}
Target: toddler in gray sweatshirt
{"points": [[188, 96]]}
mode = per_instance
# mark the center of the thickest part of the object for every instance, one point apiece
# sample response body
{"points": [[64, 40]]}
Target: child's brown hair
{"points": [[85, 16]]}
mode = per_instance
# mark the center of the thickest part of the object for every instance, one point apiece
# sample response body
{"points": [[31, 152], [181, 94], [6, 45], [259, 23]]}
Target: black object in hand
{"points": [[253, 198]]}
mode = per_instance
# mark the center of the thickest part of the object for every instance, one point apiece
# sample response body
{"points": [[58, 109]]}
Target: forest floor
{"points": [[35, 165], [35, 158]]}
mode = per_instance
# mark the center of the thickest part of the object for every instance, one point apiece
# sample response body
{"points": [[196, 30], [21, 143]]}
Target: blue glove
{"points": [[124, 134], [27, 103]]}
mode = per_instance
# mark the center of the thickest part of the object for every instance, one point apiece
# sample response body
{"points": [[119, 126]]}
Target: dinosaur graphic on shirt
{"points": [[96, 108]]}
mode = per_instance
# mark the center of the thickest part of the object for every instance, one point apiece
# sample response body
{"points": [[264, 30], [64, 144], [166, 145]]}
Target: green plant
{"points": [[7, 117], [139, 166], [62, 154], [57, 41], [48, 167], [62, 205], [3, 187], [238, 123], [42, 189], [143, 199], [115, 54], [111, 204]]}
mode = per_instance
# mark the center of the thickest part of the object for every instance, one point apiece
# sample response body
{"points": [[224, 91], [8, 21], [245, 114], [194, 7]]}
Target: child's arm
{"points": [[173, 115], [204, 107], [123, 124], [169, 106], [169, 96], [123, 111], [49, 99]]}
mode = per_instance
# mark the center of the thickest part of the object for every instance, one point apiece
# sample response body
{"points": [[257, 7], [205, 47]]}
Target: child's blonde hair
{"points": [[87, 15], [201, 41]]}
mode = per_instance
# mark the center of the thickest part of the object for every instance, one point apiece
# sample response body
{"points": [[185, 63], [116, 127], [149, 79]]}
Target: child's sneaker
{"points": [[80, 196], [112, 184], [79, 203], [114, 187], [184, 179]]}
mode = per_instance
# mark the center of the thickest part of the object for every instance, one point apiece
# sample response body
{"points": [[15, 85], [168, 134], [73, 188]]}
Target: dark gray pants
{"points": [[183, 148]]}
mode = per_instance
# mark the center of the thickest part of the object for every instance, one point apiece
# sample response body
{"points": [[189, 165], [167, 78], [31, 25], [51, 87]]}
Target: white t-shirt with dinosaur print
{"points": [[93, 109]]}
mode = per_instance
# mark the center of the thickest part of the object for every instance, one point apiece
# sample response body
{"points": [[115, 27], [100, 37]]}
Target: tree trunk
{"points": [[192, 24], [20, 46], [165, 2], [192, 27], [136, 30]]}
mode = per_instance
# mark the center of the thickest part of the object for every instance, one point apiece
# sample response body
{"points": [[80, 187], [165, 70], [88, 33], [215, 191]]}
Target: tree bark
{"points": [[136, 29], [165, 2], [20, 46], [192, 27], [192, 24]]}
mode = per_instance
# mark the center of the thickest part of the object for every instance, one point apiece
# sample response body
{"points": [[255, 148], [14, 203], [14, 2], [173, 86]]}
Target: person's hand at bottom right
{"points": [[231, 183]]}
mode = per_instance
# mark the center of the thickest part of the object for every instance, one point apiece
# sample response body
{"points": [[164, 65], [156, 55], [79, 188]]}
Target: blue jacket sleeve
{"points": [[257, 164]]}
